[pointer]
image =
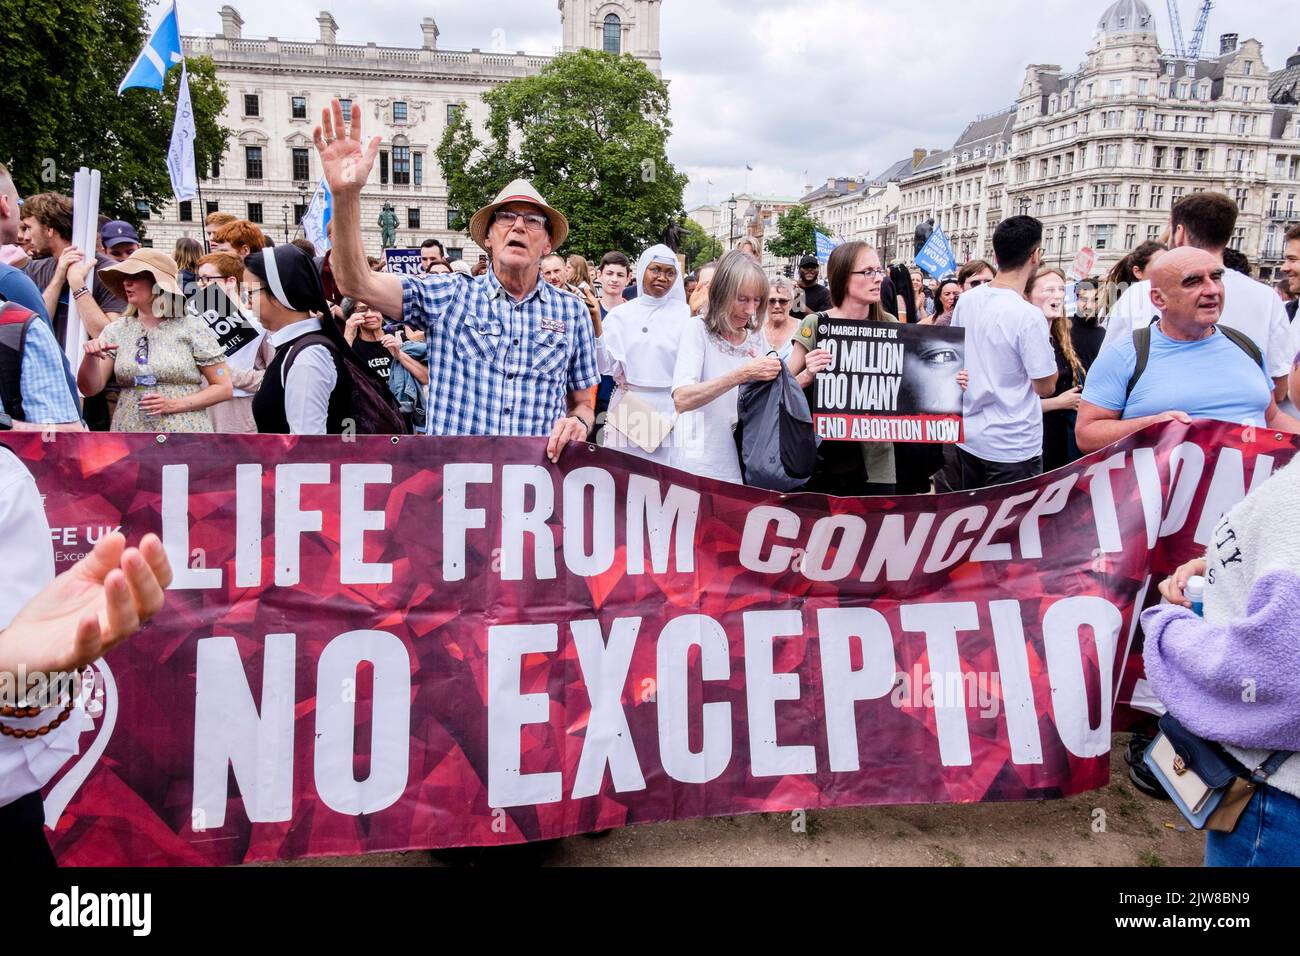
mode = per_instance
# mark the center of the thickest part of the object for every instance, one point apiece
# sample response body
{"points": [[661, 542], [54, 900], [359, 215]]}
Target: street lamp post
{"points": [[731, 222], [284, 209]]}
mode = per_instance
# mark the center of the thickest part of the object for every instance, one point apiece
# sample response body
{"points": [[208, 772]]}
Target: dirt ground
{"points": [[1135, 830]]}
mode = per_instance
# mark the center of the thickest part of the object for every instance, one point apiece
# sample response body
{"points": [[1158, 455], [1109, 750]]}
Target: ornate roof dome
{"points": [[1127, 16]]}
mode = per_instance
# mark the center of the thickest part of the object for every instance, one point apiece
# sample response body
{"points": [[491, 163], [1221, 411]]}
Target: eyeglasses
{"points": [[533, 222], [204, 280], [776, 301], [869, 273]]}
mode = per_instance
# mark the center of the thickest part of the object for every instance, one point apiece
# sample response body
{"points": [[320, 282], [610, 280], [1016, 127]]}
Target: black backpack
{"points": [[1142, 343], [374, 413], [14, 323]]}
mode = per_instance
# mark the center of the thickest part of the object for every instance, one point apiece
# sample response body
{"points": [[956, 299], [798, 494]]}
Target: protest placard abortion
{"points": [[402, 261], [386, 644], [889, 382], [228, 324]]}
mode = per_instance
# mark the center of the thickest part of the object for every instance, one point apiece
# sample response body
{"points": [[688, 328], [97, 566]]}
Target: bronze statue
{"points": [[388, 226], [922, 236]]}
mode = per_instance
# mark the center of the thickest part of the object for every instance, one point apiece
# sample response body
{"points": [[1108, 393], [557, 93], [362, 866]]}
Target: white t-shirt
{"points": [[1008, 345], [704, 439], [1250, 307]]}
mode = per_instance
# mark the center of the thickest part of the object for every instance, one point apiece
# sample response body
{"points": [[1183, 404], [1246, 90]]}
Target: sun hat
{"points": [[153, 262], [521, 190]]}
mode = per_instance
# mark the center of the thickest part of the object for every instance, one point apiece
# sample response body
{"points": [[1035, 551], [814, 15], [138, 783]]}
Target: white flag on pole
{"points": [[180, 155], [315, 222]]}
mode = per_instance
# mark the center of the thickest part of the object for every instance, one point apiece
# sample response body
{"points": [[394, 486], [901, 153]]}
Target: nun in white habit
{"points": [[638, 349]]}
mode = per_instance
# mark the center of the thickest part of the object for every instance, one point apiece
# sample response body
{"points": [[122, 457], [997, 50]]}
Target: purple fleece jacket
{"points": [[1199, 670]]}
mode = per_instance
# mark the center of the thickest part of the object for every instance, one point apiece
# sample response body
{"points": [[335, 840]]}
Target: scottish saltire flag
{"points": [[180, 155], [824, 246], [160, 54], [936, 256], [316, 219]]}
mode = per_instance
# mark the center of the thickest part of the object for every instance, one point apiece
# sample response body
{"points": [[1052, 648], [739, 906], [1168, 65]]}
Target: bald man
{"points": [[1194, 368]]}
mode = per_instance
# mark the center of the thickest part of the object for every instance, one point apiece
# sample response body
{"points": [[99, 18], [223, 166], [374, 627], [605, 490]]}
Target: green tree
{"points": [[698, 246], [60, 65], [794, 233], [589, 131]]}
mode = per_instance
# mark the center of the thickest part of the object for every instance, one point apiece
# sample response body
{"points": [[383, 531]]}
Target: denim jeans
{"points": [[1268, 833]]}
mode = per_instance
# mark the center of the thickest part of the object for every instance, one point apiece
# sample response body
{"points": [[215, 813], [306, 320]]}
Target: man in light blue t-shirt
{"points": [[1193, 370]]}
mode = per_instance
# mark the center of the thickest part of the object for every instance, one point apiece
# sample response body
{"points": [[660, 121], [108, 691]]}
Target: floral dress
{"points": [[166, 361]]}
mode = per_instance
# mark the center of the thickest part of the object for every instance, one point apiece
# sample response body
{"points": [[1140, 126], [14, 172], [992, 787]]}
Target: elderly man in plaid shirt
{"points": [[508, 353]]}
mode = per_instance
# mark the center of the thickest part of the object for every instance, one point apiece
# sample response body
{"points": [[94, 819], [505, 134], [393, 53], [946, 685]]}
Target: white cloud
{"points": [[837, 87]]}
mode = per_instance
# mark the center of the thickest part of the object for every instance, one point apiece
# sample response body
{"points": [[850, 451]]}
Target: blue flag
{"points": [[936, 256], [824, 246], [315, 222], [160, 54]]}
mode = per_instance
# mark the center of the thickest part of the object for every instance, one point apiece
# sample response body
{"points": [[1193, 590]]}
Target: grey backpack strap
{"points": [[1141, 345]]}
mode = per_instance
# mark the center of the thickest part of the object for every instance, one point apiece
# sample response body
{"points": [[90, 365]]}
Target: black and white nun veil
{"points": [[291, 276]]}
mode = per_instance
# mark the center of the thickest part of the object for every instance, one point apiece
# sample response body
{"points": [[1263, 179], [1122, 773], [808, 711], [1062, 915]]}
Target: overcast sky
{"points": [[798, 91]]}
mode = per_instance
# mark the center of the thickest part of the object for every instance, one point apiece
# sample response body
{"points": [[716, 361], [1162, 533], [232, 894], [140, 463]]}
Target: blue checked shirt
{"points": [[47, 397], [496, 366]]}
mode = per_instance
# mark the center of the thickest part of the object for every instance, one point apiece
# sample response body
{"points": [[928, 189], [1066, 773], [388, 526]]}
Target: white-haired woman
{"points": [[638, 349], [714, 358], [780, 327]]}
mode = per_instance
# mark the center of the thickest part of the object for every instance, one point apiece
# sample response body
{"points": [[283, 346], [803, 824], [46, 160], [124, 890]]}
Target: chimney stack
{"points": [[918, 155], [429, 27], [329, 28], [232, 24], [1227, 44]]}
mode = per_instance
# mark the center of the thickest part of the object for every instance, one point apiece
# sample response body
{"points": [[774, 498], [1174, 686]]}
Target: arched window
{"points": [[613, 34]]}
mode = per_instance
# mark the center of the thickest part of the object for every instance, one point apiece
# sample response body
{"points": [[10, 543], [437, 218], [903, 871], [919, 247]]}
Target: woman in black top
{"points": [[1047, 292], [364, 331]]}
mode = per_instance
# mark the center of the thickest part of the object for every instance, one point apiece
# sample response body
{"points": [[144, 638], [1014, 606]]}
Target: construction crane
{"points": [[1189, 51]]}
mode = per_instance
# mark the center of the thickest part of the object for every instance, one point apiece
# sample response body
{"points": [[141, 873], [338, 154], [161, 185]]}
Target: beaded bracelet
{"points": [[21, 712], [33, 732]]}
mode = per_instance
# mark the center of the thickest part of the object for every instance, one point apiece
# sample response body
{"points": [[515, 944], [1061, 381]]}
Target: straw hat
{"points": [[521, 190], [143, 261]]}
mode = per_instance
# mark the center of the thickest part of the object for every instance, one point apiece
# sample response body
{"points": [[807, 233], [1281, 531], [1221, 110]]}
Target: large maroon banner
{"points": [[387, 644]]}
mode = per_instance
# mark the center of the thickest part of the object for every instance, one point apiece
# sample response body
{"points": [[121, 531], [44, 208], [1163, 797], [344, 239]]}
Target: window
{"points": [[1116, 87], [298, 107], [251, 105], [453, 111], [1180, 157], [1250, 68], [185, 211], [413, 218], [1130, 235], [613, 34], [216, 168], [1176, 194], [1158, 157], [453, 218], [210, 206], [252, 162], [401, 165], [1142, 87], [1272, 205], [383, 167], [1153, 233], [1182, 91], [1160, 121], [254, 212], [1164, 90], [1141, 119], [418, 169], [1134, 196], [1200, 124], [1202, 162], [1180, 124], [1100, 236], [1243, 199], [399, 111], [299, 210], [346, 106], [1157, 197], [1238, 238], [1139, 154], [301, 172]]}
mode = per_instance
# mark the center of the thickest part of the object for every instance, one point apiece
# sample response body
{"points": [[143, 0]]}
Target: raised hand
{"points": [[345, 162], [87, 610]]}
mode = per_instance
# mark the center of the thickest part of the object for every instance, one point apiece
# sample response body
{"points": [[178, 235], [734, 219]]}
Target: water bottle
{"points": [[1195, 592]]}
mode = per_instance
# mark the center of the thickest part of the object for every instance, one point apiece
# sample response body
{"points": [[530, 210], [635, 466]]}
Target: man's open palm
{"points": [[345, 162]]}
